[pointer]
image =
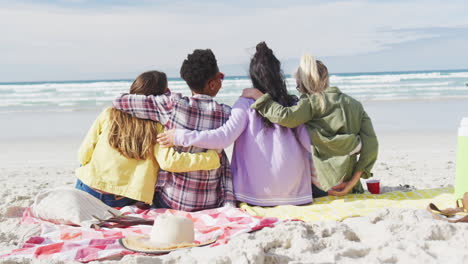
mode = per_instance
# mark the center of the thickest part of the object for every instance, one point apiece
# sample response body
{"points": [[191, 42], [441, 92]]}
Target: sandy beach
{"points": [[62, 62], [417, 151]]}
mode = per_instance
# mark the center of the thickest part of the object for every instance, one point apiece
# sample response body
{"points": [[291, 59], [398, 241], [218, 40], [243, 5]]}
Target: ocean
{"points": [[366, 87]]}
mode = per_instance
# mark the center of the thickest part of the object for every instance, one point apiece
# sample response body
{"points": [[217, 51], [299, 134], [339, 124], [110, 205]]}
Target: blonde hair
{"points": [[312, 77], [135, 138]]}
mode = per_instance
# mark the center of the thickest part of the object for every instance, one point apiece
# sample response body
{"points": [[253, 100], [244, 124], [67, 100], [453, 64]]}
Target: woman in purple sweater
{"points": [[270, 163]]}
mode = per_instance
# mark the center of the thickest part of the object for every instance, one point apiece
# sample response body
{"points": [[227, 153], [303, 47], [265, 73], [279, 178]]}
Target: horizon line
{"points": [[228, 77]]}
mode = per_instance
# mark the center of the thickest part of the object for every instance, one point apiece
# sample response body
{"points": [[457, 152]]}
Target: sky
{"points": [[89, 40]]}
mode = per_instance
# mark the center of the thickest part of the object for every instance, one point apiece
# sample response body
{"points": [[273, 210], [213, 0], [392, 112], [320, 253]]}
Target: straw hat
{"points": [[168, 233]]}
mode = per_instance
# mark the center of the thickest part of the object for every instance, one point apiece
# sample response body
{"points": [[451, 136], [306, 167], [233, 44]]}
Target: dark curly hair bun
{"points": [[263, 48], [198, 68], [267, 76]]}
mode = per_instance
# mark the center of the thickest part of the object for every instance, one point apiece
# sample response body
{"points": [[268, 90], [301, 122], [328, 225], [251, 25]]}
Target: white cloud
{"points": [[50, 42]]}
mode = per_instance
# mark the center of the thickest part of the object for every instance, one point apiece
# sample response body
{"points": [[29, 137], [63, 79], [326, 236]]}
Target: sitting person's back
{"points": [[274, 159], [270, 163]]}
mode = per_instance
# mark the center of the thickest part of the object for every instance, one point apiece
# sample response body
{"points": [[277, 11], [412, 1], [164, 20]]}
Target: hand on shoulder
{"points": [[251, 93], [166, 139]]}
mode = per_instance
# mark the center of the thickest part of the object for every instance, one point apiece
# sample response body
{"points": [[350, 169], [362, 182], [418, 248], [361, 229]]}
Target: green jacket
{"points": [[337, 123]]}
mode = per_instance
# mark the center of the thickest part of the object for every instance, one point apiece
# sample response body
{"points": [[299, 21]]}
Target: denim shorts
{"points": [[110, 199], [317, 192], [158, 201]]}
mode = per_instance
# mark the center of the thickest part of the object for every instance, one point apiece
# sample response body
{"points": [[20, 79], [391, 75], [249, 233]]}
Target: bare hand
{"points": [[166, 139], [340, 186], [251, 93], [341, 189], [344, 188]]}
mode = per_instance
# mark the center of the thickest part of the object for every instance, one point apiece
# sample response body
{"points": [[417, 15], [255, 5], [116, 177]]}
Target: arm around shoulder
{"points": [[291, 116], [218, 138], [173, 161], [150, 107]]}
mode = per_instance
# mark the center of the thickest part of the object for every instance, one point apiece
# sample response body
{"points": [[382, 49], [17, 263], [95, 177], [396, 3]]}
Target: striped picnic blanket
{"points": [[70, 243], [338, 208]]}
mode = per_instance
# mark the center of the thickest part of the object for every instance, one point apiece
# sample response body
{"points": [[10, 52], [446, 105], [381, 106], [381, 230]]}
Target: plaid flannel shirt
{"points": [[194, 190]]}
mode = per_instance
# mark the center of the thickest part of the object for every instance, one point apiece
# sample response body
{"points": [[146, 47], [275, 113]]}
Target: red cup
{"points": [[373, 186]]}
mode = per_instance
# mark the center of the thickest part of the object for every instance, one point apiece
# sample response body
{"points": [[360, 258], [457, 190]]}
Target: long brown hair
{"points": [[135, 138], [267, 76]]}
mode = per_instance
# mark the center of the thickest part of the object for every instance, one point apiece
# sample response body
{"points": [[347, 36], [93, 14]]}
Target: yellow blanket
{"points": [[338, 208]]}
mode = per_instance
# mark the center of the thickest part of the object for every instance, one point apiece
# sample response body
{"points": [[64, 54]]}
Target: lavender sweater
{"points": [[270, 165]]}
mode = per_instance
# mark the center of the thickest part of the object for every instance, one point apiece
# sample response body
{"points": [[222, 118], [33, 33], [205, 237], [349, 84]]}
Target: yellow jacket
{"points": [[105, 169]]}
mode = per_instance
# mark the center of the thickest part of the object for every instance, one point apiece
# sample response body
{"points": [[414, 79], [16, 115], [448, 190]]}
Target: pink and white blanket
{"points": [[69, 243]]}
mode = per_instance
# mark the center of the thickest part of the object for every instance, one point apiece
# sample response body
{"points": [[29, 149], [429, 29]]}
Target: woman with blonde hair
{"points": [[120, 156], [339, 128]]}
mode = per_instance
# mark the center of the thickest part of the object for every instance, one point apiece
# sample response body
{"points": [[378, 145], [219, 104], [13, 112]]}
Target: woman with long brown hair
{"points": [[120, 156]]}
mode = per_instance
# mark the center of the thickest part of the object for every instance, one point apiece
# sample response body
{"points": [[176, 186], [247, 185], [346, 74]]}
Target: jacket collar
{"points": [[332, 89]]}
